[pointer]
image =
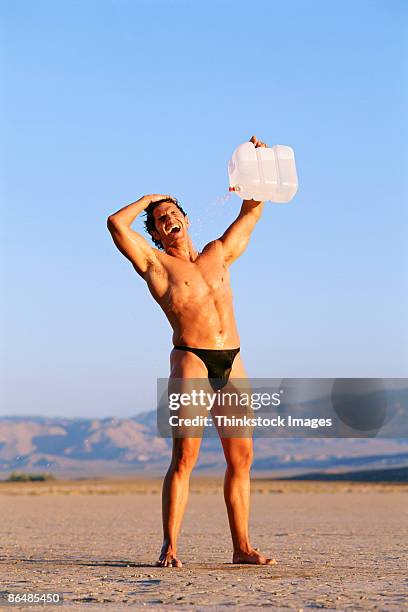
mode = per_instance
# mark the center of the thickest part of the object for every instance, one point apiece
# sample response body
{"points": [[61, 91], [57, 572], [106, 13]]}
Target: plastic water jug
{"points": [[263, 173]]}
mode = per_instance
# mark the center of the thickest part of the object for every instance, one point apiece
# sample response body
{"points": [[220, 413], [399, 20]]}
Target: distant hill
{"points": [[388, 475], [82, 447], [76, 445]]}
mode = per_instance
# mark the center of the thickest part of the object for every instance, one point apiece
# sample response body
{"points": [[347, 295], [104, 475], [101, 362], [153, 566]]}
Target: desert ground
{"points": [[339, 546]]}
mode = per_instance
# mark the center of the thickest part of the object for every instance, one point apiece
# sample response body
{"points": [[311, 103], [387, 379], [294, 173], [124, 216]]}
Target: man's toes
{"points": [[163, 562], [169, 563], [271, 562]]}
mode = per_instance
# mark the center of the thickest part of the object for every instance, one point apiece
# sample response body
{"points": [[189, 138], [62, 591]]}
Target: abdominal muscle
{"points": [[205, 323]]}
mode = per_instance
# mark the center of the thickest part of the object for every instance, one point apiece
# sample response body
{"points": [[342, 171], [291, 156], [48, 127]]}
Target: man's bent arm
{"points": [[235, 239], [130, 243]]}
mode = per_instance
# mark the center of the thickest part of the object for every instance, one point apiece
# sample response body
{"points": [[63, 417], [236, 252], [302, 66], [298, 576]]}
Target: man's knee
{"points": [[240, 460], [184, 457]]}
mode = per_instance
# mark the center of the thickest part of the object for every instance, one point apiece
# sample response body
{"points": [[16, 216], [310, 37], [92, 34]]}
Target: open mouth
{"points": [[174, 230]]}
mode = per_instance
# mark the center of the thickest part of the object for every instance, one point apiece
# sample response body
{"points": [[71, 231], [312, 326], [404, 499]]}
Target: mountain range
{"points": [[73, 447]]}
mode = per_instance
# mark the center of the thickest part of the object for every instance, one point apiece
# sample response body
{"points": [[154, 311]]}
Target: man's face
{"points": [[171, 224]]}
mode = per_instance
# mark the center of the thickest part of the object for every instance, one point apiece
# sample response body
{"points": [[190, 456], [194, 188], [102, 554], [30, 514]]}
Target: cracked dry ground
{"points": [[338, 549]]}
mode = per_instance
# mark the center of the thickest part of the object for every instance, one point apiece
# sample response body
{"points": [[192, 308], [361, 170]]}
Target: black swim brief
{"points": [[218, 363]]}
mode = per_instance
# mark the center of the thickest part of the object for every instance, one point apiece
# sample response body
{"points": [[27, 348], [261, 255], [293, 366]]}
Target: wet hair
{"points": [[150, 224]]}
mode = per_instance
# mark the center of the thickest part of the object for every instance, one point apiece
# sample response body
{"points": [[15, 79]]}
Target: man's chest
{"points": [[183, 282], [206, 276]]}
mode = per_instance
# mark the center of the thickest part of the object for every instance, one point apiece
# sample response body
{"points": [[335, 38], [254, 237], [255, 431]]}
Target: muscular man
{"points": [[193, 290]]}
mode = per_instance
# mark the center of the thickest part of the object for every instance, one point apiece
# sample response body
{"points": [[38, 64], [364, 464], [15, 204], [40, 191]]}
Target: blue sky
{"points": [[103, 102]]}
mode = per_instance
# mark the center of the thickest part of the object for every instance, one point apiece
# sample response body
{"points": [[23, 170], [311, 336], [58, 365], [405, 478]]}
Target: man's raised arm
{"points": [[235, 239], [130, 243]]}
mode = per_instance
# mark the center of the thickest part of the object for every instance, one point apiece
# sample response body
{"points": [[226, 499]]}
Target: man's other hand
{"points": [[156, 197]]}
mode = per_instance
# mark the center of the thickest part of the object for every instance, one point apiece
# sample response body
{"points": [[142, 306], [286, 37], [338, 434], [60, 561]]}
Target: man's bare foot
{"points": [[253, 556], [168, 558]]}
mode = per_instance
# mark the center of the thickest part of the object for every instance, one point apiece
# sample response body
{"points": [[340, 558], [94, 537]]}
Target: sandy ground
{"points": [[339, 547]]}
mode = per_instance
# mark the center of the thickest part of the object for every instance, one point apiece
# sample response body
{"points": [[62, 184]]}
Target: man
{"points": [[193, 290]]}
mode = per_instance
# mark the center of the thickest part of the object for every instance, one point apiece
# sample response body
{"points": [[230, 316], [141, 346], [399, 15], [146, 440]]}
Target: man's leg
{"points": [[187, 373], [175, 495], [238, 454], [238, 451]]}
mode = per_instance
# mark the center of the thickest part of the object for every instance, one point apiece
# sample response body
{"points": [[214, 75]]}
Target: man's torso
{"points": [[196, 298]]}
